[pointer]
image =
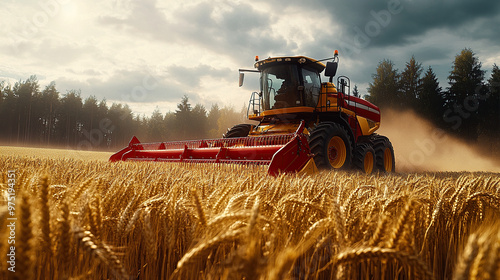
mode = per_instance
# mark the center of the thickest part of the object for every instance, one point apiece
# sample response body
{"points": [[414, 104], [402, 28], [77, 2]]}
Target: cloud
{"points": [[139, 17], [225, 28], [168, 85], [107, 48], [126, 86], [192, 76], [394, 22], [367, 32]]}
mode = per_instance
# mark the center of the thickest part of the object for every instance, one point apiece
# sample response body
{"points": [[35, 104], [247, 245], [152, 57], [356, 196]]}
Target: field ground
{"points": [[81, 217], [53, 153]]}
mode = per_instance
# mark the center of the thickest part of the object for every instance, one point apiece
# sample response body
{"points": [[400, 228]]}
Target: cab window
{"points": [[312, 87], [280, 87]]}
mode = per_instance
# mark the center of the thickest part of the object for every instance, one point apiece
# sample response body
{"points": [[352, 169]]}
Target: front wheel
{"points": [[384, 153], [364, 158], [331, 146], [239, 130]]}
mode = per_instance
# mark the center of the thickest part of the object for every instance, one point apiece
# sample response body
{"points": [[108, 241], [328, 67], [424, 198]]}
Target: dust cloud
{"points": [[419, 146]]}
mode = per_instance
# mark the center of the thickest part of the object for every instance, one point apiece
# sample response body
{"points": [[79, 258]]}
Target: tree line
{"points": [[468, 108], [31, 116]]}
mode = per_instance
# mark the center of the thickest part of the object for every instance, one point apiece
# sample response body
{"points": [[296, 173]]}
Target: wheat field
{"points": [[83, 219]]}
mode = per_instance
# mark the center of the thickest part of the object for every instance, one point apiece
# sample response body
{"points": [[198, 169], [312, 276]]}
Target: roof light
{"points": [[336, 53], [256, 58]]}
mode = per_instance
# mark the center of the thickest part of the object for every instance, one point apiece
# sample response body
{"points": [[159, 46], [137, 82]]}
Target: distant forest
{"points": [[31, 116], [468, 108]]}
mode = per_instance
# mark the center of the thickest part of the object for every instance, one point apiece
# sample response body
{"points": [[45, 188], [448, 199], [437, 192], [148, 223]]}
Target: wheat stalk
{"points": [[24, 261], [101, 252], [199, 208], [45, 213], [232, 226], [195, 253], [398, 229], [375, 253]]}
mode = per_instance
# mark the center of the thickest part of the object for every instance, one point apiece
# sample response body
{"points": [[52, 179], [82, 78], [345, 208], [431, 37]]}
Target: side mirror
{"points": [[331, 69], [242, 77]]}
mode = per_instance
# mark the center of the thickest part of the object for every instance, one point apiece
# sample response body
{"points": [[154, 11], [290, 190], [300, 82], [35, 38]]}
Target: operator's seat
{"points": [[285, 100]]}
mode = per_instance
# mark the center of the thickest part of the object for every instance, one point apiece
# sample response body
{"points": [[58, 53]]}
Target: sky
{"points": [[150, 53]]}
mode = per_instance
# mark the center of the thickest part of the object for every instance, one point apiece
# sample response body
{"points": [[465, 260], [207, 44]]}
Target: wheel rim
{"points": [[387, 160], [336, 152], [368, 162]]}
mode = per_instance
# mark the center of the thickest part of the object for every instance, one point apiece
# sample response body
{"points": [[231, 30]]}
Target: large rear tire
{"points": [[364, 158], [331, 146], [239, 130], [384, 153]]}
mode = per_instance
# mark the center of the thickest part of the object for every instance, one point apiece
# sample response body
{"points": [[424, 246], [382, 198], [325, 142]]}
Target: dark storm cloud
{"points": [[386, 23], [395, 22], [367, 32]]}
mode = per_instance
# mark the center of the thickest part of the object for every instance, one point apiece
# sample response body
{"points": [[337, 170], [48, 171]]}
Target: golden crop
{"points": [[98, 220]]}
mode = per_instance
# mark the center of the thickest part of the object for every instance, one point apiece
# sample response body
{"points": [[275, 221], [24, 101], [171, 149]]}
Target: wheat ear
{"points": [[375, 253], [45, 213], [192, 255], [23, 258], [101, 252], [199, 208], [379, 231], [62, 249], [463, 269], [397, 231]]}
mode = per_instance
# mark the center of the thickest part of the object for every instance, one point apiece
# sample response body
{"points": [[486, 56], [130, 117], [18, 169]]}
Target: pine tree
{"points": [[170, 124], [384, 88], [156, 129], [26, 94], [120, 123], [355, 91], [199, 126], [464, 95], [105, 124], [89, 113], [213, 117], [70, 117], [494, 82], [430, 101], [466, 75], [183, 117], [8, 113], [490, 111], [410, 83], [50, 102]]}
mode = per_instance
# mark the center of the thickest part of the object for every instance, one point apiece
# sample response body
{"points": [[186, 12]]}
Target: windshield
{"points": [[312, 87], [280, 87]]}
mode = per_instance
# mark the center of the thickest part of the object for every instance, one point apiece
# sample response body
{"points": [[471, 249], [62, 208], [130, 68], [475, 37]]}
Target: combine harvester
{"points": [[303, 125]]}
